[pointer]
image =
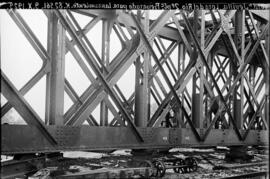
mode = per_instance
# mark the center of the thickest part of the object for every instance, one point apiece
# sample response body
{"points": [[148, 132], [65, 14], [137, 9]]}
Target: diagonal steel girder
{"points": [[92, 88], [79, 31], [245, 92], [166, 61], [36, 44], [170, 94], [238, 58], [234, 48], [123, 18], [261, 45], [93, 104], [206, 52], [145, 40], [40, 50], [248, 83], [95, 90], [82, 47], [188, 71], [115, 73], [203, 59], [230, 15], [103, 67], [241, 71], [7, 106], [230, 55], [261, 105], [24, 109]]}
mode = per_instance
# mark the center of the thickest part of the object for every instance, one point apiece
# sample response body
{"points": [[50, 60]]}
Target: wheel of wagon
{"points": [[147, 163], [161, 168], [179, 162], [191, 164]]}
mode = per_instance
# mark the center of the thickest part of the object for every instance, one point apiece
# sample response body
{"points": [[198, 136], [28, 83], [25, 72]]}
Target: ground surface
{"points": [[208, 160]]}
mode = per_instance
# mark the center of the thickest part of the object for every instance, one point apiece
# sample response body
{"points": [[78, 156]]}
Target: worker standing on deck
{"points": [[170, 120]]}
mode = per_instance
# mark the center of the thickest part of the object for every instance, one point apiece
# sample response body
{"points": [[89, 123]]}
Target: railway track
{"points": [[19, 168], [168, 166], [253, 175], [25, 165]]}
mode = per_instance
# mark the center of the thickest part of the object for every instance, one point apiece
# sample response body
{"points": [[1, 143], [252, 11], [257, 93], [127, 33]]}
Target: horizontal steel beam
{"points": [[27, 139], [166, 32]]}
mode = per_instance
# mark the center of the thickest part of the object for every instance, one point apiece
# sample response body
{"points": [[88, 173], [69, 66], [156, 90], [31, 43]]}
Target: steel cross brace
{"points": [[26, 88], [105, 70], [252, 39], [181, 80], [42, 53], [170, 94], [242, 69], [207, 49], [154, 70], [261, 45], [170, 60], [82, 47], [229, 16], [203, 59], [88, 92], [238, 57], [38, 48], [166, 62], [25, 110], [255, 100], [254, 117], [256, 95], [163, 72], [227, 47], [80, 31], [29, 34], [92, 89], [155, 28]]}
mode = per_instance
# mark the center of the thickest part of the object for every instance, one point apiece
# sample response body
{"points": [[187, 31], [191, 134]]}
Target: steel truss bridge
{"points": [[213, 73]]}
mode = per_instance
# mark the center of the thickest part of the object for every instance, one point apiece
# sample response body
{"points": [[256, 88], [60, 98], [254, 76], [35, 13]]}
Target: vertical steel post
{"points": [[195, 96], [146, 94], [238, 92], [138, 85], [202, 116], [181, 67], [142, 87], [267, 106], [105, 56], [138, 82], [208, 113], [196, 109], [252, 73], [55, 78], [242, 31]]}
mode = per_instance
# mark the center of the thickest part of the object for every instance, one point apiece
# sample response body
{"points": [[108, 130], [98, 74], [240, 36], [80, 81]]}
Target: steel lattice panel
{"points": [[210, 67]]}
